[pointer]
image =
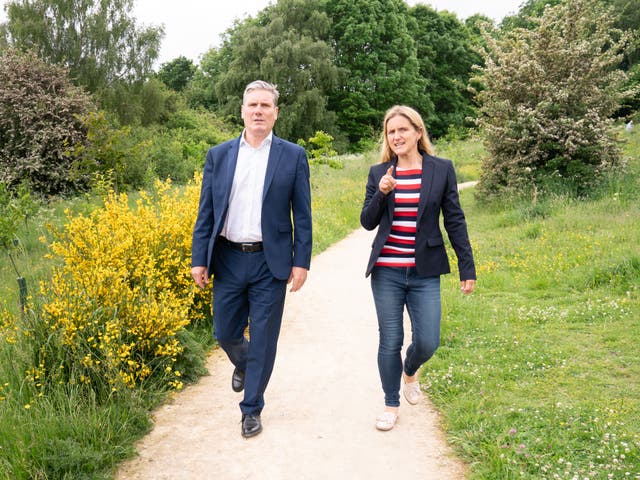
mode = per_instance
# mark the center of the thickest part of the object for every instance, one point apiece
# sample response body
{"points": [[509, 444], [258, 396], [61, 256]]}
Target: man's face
{"points": [[259, 113]]}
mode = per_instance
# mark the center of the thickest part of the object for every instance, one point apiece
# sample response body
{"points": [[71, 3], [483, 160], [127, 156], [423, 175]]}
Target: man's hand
{"points": [[200, 275], [297, 278], [387, 182], [467, 286]]}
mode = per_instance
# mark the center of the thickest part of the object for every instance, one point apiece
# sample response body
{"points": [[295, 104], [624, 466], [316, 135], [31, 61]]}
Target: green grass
{"points": [[538, 374], [466, 156], [336, 199], [63, 431]]}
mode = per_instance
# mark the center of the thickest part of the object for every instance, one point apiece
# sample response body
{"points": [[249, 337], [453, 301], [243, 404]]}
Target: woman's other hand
{"points": [[467, 286]]}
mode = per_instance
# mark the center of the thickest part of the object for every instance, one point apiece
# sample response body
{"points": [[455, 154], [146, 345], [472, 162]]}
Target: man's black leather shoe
{"points": [[251, 425], [237, 380]]}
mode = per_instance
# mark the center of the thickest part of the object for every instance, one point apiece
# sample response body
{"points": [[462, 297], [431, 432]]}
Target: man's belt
{"points": [[242, 246]]}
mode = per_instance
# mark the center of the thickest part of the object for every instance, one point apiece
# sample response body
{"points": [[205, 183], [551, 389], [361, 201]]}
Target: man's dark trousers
{"points": [[243, 289]]}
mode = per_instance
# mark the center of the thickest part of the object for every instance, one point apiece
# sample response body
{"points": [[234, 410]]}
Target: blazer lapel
{"points": [[232, 161], [425, 187], [221, 184], [275, 153]]}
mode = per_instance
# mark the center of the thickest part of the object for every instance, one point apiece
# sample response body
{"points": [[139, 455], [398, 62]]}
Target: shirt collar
{"points": [[266, 142]]}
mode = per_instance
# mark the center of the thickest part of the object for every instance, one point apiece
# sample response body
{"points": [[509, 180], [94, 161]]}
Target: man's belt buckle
{"points": [[247, 247]]}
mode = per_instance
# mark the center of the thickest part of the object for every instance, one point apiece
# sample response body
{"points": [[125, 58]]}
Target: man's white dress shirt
{"points": [[243, 222]]}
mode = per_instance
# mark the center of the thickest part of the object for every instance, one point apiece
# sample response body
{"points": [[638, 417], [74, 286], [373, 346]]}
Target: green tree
{"points": [[39, 122], [96, 40], [445, 52], [526, 17], [177, 73], [287, 44], [626, 17], [201, 90], [375, 48], [549, 94]]}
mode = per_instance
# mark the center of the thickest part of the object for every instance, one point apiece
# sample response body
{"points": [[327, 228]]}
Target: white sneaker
{"points": [[386, 421], [412, 392]]}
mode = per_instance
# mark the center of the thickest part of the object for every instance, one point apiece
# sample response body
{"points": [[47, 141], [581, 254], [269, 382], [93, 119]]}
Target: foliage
{"points": [[15, 209], [319, 147], [122, 294], [98, 41], [177, 73], [285, 45], [39, 122], [445, 52], [177, 149], [132, 157], [537, 374], [200, 92], [626, 17], [375, 48], [109, 153], [547, 100]]}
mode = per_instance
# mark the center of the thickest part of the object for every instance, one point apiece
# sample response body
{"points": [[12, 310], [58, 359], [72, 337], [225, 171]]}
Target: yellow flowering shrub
{"points": [[122, 291]]}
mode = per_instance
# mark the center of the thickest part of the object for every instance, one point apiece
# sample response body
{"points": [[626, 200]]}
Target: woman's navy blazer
{"points": [[438, 192]]}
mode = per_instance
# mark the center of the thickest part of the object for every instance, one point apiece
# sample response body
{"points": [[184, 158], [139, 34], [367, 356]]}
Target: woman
{"points": [[404, 198]]}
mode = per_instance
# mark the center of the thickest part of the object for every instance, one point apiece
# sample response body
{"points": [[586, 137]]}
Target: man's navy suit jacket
{"points": [[286, 206], [438, 192]]}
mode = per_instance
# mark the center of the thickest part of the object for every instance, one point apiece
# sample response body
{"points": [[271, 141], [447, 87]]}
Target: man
{"points": [[253, 233]]}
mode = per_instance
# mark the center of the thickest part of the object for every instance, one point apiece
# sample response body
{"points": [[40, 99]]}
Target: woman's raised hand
{"points": [[387, 182]]}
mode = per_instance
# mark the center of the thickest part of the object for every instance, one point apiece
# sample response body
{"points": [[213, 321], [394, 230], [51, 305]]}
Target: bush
{"points": [[39, 122], [122, 294], [319, 149], [548, 96], [109, 155], [178, 148]]}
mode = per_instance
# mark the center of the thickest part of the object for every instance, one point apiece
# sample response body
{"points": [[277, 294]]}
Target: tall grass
{"points": [[538, 375], [336, 198], [51, 430]]}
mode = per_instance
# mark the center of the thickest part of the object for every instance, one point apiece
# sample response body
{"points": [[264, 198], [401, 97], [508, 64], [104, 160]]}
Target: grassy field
{"points": [[62, 431], [538, 373], [537, 376]]}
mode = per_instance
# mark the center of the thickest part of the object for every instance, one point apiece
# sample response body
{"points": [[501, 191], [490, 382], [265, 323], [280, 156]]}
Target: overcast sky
{"points": [[194, 26]]}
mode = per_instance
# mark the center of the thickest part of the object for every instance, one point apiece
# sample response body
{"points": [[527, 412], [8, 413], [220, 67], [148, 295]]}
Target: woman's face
{"points": [[402, 136]]}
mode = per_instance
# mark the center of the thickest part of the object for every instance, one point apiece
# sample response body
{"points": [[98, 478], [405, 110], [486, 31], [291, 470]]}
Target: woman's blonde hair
{"points": [[424, 145]]}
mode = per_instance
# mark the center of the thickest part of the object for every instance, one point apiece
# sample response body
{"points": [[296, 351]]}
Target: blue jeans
{"points": [[393, 288]]}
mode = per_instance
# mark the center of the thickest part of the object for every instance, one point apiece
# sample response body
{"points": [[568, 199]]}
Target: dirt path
{"points": [[321, 402]]}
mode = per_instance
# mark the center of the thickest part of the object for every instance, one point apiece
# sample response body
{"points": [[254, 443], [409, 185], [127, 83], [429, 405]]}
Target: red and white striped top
{"points": [[400, 248]]}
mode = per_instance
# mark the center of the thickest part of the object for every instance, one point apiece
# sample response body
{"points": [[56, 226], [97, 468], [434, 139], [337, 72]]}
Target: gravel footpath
{"points": [[321, 403]]}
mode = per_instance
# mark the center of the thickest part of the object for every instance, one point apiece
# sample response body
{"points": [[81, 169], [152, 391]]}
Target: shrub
{"points": [[122, 294], [548, 95], [178, 148], [109, 154], [39, 109], [319, 149]]}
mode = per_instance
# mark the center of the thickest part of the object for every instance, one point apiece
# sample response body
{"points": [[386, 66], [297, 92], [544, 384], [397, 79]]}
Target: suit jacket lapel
{"points": [[275, 153], [232, 161], [222, 185], [427, 181]]}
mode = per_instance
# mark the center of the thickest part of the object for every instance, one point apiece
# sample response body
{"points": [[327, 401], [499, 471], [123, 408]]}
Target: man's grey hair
{"points": [[261, 85]]}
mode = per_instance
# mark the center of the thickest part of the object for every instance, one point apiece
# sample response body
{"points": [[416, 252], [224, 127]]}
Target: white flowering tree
{"points": [[548, 96]]}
